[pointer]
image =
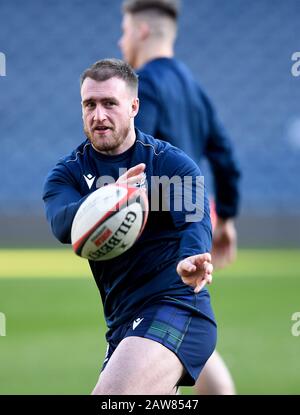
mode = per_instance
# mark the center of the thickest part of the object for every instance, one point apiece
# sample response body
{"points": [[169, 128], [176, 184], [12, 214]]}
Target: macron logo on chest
{"points": [[89, 180]]}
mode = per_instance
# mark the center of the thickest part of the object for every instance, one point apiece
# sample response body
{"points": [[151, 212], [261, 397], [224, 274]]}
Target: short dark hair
{"points": [[169, 8], [109, 68]]}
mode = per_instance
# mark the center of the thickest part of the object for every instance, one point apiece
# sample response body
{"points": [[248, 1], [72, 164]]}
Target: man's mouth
{"points": [[101, 128]]}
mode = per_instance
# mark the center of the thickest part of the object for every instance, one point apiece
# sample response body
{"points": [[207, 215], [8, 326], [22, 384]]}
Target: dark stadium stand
{"points": [[240, 52]]}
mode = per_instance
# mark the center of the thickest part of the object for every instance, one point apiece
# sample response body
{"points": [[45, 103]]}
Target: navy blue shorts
{"points": [[190, 334]]}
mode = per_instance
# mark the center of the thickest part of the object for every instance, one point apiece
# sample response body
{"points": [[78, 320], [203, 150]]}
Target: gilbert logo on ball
{"points": [[109, 222]]}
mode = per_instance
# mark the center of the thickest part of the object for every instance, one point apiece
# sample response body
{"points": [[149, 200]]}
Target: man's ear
{"points": [[135, 105], [144, 30]]}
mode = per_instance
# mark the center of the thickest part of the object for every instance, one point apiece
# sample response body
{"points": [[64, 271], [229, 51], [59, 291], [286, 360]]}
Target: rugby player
{"points": [[161, 326]]}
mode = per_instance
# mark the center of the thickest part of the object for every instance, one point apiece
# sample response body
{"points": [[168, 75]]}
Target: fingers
{"points": [[208, 267], [201, 282], [224, 244], [196, 271], [223, 257], [136, 170], [133, 175], [132, 181], [200, 259], [133, 171], [186, 267], [200, 286], [195, 263], [209, 279]]}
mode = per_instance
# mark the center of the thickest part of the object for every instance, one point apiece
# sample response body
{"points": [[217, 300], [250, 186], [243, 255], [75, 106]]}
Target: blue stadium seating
{"points": [[239, 51]]}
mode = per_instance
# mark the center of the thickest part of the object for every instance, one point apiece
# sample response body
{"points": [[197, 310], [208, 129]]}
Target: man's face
{"points": [[108, 108], [129, 41]]}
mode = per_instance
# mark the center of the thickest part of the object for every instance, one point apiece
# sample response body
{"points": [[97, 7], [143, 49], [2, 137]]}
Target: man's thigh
{"points": [[140, 366]]}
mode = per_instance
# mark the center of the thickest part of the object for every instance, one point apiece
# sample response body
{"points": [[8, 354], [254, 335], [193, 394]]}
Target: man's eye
{"points": [[90, 105], [110, 103]]}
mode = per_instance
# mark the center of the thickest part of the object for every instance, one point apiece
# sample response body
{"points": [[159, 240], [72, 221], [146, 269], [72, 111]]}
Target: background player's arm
{"points": [[226, 174], [146, 119], [62, 200]]}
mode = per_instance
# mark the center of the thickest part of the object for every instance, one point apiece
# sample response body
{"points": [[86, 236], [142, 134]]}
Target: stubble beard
{"points": [[108, 144]]}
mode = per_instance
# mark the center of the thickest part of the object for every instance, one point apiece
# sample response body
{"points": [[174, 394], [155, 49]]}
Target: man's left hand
{"points": [[224, 243], [196, 271]]}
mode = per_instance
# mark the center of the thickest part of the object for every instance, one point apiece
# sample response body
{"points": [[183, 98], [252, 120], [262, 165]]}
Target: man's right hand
{"points": [[133, 176]]}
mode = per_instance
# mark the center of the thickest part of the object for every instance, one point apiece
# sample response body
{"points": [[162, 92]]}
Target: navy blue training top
{"points": [[135, 277], [173, 107]]}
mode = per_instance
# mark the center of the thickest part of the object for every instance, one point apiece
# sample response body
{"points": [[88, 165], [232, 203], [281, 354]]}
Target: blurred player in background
{"points": [[173, 107]]}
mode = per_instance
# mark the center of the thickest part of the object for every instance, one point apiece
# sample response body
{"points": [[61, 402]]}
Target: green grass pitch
{"points": [[55, 344]]}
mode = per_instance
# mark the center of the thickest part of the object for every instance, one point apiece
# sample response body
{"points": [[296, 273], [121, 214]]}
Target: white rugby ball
{"points": [[109, 222]]}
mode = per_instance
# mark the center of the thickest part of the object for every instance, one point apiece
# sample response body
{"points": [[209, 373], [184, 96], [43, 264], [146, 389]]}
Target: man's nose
{"points": [[99, 113]]}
